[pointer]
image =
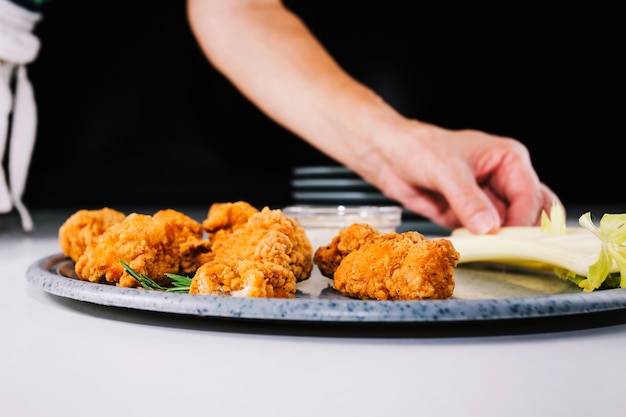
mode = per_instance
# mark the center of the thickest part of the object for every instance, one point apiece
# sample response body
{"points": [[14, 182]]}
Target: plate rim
{"points": [[313, 309]]}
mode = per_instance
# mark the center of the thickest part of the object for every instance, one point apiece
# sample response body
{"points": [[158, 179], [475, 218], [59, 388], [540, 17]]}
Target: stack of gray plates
{"points": [[337, 185], [333, 185]]}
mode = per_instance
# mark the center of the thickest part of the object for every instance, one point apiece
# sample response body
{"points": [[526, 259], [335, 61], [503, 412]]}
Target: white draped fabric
{"points": [[18, 111]]}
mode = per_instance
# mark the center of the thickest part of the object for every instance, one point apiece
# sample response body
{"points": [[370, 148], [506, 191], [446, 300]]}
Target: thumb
{"points": [[472, 206]]}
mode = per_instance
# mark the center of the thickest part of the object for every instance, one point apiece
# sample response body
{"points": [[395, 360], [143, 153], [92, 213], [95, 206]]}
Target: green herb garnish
{"points": [[180, 283]]}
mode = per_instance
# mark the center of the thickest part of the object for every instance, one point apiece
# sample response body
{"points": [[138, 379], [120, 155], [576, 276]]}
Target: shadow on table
{"points": [[481, 328]]}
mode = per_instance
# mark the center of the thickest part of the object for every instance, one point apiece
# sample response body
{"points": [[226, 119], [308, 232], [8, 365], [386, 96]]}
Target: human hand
{"points": [[457, 178]]}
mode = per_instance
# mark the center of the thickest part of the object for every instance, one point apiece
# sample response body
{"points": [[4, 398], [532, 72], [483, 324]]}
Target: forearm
{"points": [[273, 59], [452, 177]]}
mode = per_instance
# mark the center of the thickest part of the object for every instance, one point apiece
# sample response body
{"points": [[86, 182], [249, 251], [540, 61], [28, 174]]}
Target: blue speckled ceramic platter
{"points": [[480, 294]]}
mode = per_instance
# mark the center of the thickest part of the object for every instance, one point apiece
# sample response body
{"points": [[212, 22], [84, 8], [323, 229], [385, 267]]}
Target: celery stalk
{"points": [[589, 256]]}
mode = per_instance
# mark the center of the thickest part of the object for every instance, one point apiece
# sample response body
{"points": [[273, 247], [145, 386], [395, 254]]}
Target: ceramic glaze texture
{"points": [[480, 295]]}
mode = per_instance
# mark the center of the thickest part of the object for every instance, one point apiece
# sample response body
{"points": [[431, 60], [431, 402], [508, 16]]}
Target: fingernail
{"points": [[482, 223]]}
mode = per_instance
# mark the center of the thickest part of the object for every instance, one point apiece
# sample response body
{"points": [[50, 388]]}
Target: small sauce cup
{"points": [[323, 223]]}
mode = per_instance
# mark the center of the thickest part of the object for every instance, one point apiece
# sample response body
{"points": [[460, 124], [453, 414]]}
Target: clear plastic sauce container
{"points": [[323, 223]]}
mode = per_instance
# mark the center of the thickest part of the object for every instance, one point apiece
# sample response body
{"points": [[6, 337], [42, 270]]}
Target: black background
{"points": [[130, 111]]}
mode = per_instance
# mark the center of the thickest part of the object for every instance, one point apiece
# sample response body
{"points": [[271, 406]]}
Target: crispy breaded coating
{"points": [[192, 248], [82, 227], [265, 257], [327, 258], [151, 245], [224, 218], [399, 266]]}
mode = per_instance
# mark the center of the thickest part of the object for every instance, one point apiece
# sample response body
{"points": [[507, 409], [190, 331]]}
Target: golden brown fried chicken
{"points": [[189, 243], [398, 266], [168, 242], [225, 218], [82, 227], [327, 258], [264, 257]]}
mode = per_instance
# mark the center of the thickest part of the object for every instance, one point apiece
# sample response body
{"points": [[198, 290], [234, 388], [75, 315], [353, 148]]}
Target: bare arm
{"points": [[459, 178], [271, 56]]}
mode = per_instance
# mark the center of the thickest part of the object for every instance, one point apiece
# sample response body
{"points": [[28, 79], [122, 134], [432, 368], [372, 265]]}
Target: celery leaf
{"points": [[554, 224], [612, 233]]}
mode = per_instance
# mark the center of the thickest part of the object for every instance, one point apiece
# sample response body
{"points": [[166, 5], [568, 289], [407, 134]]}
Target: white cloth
{"points": [[18, 114]]}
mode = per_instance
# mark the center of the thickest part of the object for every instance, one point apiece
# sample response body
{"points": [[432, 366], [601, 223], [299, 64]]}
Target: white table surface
{"points": [[61, 357]]}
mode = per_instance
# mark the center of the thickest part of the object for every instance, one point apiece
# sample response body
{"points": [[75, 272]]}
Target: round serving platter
{"points": [[480, 294]]}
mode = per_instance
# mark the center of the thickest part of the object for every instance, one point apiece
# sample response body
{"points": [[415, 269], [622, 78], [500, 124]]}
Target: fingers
{"points": [[549, 198], [480, 208], [499, 204], [513, 186], [527, 201], [469, 203], [470, 206], [480, 182], [474, 207]]}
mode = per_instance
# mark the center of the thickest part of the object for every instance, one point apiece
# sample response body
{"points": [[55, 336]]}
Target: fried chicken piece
{"points": [[224, 218], [189, 242], [327, 258], [265, 257], [399, 266], [82, 227], [153, 245]]}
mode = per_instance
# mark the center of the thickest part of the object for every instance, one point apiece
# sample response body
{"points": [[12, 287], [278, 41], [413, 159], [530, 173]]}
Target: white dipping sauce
{"points": [[322, 224]]}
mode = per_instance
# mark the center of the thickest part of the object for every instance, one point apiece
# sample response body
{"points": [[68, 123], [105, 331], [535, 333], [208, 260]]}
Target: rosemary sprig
{"points": [[180, 283]]}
